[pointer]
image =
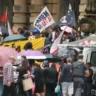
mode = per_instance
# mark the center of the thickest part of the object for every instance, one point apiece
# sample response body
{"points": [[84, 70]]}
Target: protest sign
{"points": [[44, 20]]}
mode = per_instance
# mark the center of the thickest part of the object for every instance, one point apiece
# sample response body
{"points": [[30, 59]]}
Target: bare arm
{"points": [[87, 73], [59, 77]]}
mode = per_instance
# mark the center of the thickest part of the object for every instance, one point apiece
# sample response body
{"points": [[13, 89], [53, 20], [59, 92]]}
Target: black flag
{"points": [[69, 18]]}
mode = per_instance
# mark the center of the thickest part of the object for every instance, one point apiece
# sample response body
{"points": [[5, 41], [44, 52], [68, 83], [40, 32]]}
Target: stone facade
{"points": [[82, 7], [26, 11]]}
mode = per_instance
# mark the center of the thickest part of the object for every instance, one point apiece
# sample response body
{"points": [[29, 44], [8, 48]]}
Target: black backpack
{"points": [[78, 69]]}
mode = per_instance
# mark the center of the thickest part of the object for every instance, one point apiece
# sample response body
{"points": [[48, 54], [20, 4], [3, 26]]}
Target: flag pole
{"points": [[54, 46], [6, 16]]}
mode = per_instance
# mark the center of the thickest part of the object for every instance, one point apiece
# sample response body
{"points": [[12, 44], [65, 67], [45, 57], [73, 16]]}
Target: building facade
{"points": [[24, 12]]}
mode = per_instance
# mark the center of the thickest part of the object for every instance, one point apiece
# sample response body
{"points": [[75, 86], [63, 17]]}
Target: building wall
{"points": [[82, 7], [26, 11]]}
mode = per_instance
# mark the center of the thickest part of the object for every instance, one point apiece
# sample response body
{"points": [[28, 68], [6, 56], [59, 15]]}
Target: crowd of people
{"points": [[51, 33], [73, 77]]}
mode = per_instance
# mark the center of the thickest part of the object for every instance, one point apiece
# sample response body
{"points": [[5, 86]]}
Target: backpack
{"points": [[78, 69]]}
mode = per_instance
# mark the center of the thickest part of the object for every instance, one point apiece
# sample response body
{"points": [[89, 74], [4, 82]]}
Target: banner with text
{"points": [[44, 20]]}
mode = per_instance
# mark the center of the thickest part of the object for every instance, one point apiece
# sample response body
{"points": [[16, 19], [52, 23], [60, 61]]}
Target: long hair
{"points": [[53, 66], [24, 57], [28, 45], [25, 65]]}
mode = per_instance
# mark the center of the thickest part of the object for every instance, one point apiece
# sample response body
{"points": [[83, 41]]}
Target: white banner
{"points": [[44, 20]]}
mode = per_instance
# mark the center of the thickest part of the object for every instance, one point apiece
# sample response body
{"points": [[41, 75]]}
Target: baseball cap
{"points": [[45, 62]]}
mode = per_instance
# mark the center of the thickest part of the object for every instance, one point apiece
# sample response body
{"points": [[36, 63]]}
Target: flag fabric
{"points": [[9, 28], [54, 48], [37, 44], [4, 17], [68, 29], [44, 20], [69, 18], [0, 32]]}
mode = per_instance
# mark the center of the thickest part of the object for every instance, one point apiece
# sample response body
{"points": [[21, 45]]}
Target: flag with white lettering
{"points": [[44, 20], [69, 18]]}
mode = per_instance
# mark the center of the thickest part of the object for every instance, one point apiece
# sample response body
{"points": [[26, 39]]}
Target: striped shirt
{"points": [[8, 74]]}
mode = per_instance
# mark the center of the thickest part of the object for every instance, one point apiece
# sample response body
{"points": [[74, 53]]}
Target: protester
{"points": [[59, 82], [18, 49], [65, 38], [39, 81], [67, 78], [20, 31], [24, 73], [8, 78], [88, 81], [1, 81], [23, 58], [51, 79], [79, 70], [78, 36], [44, 64], [28, 46], [31, 36], [25, 32], [13, 46]]}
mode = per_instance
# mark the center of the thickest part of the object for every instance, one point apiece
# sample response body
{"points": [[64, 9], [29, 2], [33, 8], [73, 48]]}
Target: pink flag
{"points": [[68, 29], [54, 47]]}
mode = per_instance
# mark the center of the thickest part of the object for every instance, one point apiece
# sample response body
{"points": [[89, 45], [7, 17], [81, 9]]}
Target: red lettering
{"points": [[49, 18], [43, 23]]}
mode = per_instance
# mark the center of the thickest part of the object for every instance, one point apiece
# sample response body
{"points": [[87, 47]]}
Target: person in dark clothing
{"points": [[20, 31], [51, 78], [88, 80], [25, 32], [67, 78], [79, 71], [28, 46], [23, 73], [39, 81]]}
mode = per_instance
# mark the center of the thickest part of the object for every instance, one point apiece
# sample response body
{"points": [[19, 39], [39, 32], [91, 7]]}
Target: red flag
{"points": [[4, 17]]}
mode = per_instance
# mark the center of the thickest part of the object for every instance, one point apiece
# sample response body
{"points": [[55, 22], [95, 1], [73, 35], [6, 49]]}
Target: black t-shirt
{"points": [[67, 75], [51, 75], [39, 76]]}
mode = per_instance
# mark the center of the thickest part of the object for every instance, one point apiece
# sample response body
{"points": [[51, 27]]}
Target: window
{"points": [[93, 58]]}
